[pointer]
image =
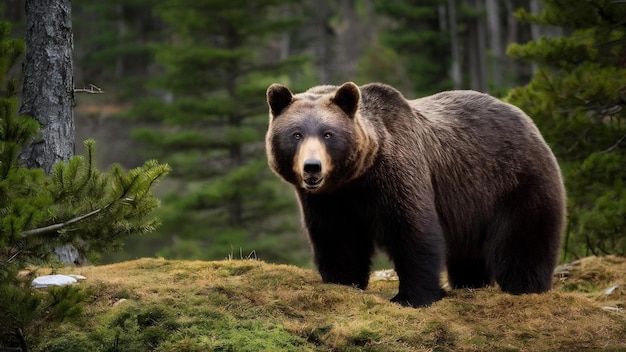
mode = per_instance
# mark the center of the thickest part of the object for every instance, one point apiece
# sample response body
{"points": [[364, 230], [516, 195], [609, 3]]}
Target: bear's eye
{"points": [[297, 135], [327, 135]]}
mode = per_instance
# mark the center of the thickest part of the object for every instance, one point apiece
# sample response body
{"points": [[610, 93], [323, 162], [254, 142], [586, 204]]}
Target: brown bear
{"points": [[459, 179]]}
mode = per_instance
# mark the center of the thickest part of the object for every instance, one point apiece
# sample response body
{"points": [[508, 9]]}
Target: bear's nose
{"points": [[312, 166]]}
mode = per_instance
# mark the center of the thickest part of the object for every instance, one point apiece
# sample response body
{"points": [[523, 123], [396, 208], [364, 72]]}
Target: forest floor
{"points": [[249, 305]]}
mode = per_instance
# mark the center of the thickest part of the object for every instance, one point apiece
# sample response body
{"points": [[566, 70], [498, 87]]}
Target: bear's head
{"points": [[316, 140]]}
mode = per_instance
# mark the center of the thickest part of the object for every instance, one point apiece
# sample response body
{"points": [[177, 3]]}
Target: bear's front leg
{"points": [[418, 260], [343, 245], [342, 261]]}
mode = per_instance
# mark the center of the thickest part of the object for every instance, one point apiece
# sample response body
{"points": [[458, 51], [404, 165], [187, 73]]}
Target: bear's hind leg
{"points": [[468, 272], [520, 275], [524, 242]]}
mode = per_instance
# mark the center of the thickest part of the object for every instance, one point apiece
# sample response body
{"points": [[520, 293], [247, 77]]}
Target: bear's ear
{"points": [[278, 98], [347, 98]]}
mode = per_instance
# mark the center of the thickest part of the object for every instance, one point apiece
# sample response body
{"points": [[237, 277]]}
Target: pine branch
{"points": [[93, 89], [14, 256], [610, 149], [56, 227]]}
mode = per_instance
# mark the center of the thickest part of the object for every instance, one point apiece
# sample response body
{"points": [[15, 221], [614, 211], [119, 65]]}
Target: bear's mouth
{"points": [[312, 183]]}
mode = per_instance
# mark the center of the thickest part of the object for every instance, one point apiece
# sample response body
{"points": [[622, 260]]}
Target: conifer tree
{"points": [[419, 38], [578, 100], [48, 83], [210, 124], [75, 204], [114, 38]]}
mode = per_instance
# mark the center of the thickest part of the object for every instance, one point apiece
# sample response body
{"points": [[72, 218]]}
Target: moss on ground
{"points": [[245, 305]]}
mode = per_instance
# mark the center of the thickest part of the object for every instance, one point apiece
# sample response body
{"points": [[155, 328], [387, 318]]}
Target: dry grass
{"points": [[251, 305]]}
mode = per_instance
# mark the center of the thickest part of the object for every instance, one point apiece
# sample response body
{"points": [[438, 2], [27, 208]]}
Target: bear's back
{"points": [[475, 113], [469, 122], [479, 147]]}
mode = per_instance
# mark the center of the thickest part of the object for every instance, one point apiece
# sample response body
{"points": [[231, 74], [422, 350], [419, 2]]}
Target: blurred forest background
{"points": [[184, 82]]}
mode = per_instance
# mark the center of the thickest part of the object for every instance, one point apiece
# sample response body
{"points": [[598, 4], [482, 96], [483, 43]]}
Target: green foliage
{"points": [[75, 204], [159, 328], [10, 51], [418, 37], [216, 69], [25, 311], [43, 212], [19, 308], [249, 305], [380, 64], [578, 100], [116, 36]]}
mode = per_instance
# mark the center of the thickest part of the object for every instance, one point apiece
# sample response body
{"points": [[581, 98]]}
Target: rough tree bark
{"points": [[48, 90]]}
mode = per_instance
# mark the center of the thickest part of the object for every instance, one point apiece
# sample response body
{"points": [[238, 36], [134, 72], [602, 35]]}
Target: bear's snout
{"points": [[312, 166], [312, 173]]}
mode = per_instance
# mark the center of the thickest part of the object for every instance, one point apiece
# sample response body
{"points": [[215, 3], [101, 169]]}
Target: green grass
{"points": [[246, 305]]}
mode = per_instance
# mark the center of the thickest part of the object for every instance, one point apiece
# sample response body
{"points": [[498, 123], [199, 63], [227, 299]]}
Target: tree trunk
{"points": [[535, 33], [495, 42], [354, 33], [324, 37], [455, 65], [235, 202], [477, 49], [122, 31], [48, 92]]}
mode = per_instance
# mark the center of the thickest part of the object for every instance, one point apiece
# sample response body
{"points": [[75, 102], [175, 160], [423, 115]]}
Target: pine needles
{"points": [[75, 204]]}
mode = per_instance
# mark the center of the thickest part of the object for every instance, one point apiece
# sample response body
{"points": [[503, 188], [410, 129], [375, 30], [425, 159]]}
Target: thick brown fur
{"points": [[459, 179]]}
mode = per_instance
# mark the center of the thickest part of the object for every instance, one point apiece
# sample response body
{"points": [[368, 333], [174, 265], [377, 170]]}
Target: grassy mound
{"points": [[244, 305]]}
